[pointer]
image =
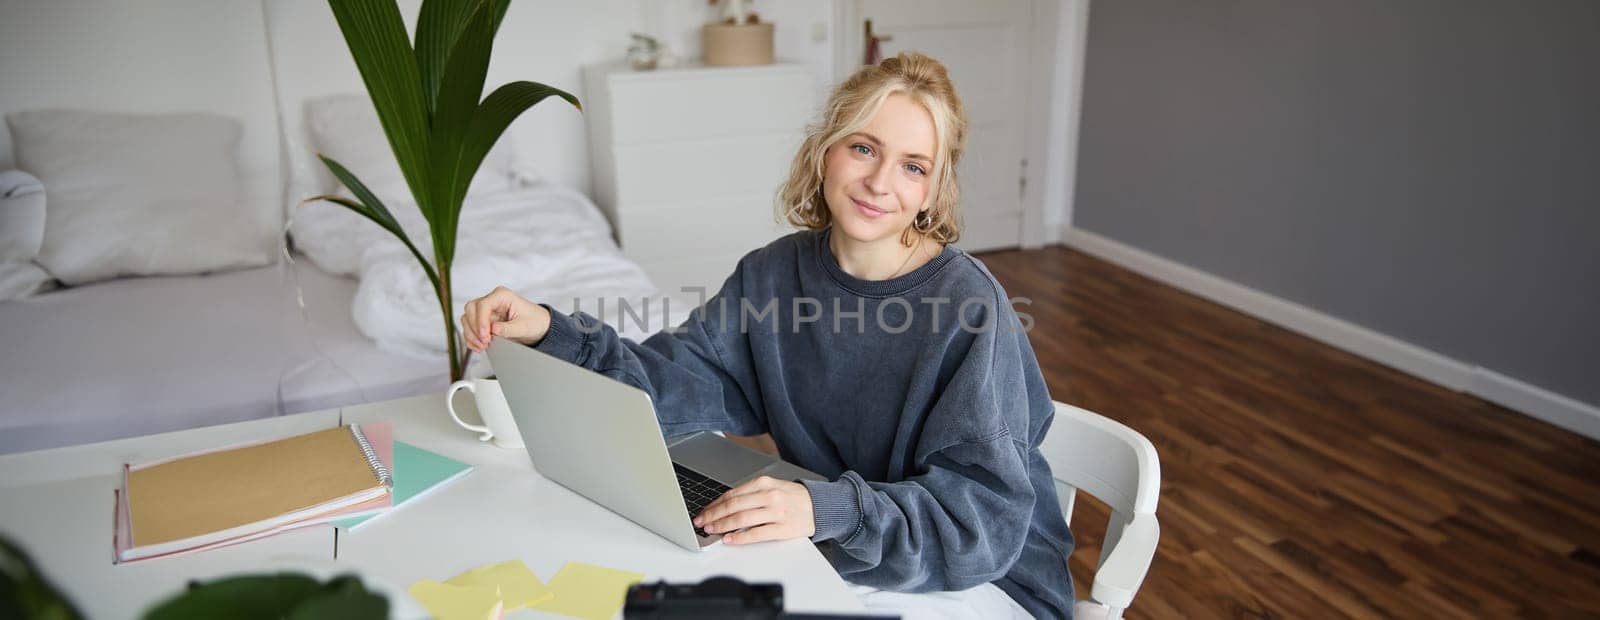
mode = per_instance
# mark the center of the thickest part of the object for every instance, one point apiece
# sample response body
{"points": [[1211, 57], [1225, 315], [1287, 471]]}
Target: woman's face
{"points": [[877, 180]]}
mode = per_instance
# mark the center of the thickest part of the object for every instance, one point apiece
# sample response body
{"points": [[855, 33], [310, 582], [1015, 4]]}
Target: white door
{"points": [[985, 45]]}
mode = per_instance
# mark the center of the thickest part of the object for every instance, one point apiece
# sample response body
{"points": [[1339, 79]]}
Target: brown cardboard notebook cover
{"points": [[207, 493]]}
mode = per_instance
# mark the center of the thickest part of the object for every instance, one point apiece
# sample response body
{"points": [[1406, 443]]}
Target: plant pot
{"points": [[729, 45]]}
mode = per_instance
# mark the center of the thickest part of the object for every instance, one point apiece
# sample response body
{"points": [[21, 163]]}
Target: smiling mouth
{"points": [[867, 206]]}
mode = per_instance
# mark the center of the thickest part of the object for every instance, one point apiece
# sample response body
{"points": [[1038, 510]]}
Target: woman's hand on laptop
{"points": [[503, 313], [765, 508]]}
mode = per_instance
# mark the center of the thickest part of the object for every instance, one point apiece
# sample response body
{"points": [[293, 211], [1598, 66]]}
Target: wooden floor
{"points": [[1299, 481]]}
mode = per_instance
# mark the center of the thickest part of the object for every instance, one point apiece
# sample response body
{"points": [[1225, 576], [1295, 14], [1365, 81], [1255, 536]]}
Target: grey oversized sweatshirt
{"points": [[919, 398]]}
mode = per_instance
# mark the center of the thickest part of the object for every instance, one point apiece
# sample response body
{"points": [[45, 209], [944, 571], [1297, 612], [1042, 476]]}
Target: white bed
{"points": [[145, 355], [134, 356], [140, 355]]}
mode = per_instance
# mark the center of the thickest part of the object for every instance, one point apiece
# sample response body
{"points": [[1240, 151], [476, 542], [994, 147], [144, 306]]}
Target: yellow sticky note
{"points": [[518, 586], [588, 591], [452, 602]]}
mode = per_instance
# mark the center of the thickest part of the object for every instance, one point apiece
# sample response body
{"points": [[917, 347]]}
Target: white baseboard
{"points": [[1579, 417]]}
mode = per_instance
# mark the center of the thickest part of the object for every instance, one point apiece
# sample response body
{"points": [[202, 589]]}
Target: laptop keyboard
{"points": [[698, 491]]}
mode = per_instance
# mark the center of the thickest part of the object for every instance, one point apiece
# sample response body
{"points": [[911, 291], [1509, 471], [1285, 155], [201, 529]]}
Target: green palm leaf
{"points": [[459, 91], [376, 35], [367, 205], [427, 99], [497, 111], [438, 28]]}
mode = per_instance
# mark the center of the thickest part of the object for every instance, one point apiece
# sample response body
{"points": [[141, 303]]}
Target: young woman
{"points": [[874, 353]]}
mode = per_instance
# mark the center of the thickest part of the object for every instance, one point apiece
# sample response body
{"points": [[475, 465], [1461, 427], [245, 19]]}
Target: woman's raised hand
{"points": [[503, 313]]}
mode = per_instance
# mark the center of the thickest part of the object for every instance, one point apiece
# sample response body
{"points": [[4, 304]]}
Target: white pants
{"points": [[985, 601]]}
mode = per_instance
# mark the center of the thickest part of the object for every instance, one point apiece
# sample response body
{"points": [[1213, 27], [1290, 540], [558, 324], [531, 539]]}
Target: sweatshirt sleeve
{"points": [[682, 369], [962, 520]]}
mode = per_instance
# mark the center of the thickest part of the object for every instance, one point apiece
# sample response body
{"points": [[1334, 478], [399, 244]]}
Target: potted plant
{"points": [[268, 596], [427, 97]]}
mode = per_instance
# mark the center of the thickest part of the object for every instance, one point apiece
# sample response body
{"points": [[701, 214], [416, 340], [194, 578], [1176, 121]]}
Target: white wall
{"points": [[541, 40], [549, 41], [802, 30], [142, 62]]}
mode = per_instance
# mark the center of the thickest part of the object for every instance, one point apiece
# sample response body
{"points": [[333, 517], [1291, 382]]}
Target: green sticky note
{"points": [[588, 591], [416, 471]]}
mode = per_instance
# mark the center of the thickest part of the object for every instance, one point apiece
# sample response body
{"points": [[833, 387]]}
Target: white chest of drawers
{"points": [[687, 162]]}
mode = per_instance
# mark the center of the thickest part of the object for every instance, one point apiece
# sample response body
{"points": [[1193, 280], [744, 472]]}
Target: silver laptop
{"points": [[599, 437]]}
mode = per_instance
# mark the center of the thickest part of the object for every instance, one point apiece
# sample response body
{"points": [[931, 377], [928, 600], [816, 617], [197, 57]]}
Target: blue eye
{"points": [[862, 149], [915, 169]]}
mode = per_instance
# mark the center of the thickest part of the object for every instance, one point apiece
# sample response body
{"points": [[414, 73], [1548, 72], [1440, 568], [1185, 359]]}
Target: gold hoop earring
{"points": [[923, 222]]}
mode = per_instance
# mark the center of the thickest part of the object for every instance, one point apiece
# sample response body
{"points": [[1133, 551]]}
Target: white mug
{"points": [[492, 408]]}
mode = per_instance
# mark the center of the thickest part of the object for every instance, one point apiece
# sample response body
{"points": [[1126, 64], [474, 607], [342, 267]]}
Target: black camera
{"points": [[716, 597]]}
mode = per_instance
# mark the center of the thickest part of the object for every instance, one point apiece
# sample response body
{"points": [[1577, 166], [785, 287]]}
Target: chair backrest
{"points": [[1095, 454], [1119, 466]]}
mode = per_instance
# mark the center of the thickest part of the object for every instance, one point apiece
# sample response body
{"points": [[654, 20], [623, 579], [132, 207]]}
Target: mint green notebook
{"points": [[416, 471]]}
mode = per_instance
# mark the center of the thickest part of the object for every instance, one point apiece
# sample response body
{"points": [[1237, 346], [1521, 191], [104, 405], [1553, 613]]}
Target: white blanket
{"points": [[548, 243]]}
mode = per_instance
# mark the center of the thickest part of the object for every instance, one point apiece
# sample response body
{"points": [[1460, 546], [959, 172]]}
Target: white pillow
{"points": [[346, 129], [21, 232], [21, 216], [137, 194]]}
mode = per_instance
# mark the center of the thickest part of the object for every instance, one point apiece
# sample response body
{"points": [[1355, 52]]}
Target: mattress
{"points": [[147, 355]]}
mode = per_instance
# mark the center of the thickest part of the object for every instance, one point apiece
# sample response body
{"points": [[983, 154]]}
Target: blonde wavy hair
{"points": [[851, 107]]}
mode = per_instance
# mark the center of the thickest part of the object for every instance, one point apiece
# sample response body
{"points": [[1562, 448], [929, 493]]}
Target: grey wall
{"points": [[1429, 169]]}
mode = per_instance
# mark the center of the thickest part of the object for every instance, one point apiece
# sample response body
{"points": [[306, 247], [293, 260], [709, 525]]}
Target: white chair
{"points": [[1116, 464]]}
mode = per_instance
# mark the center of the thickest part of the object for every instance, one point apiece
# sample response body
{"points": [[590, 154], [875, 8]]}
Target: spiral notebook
{"points": [[231, 495]]}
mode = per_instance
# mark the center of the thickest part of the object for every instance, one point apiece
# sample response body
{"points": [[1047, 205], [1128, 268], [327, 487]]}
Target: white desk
{"points": [[57, 503]]}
